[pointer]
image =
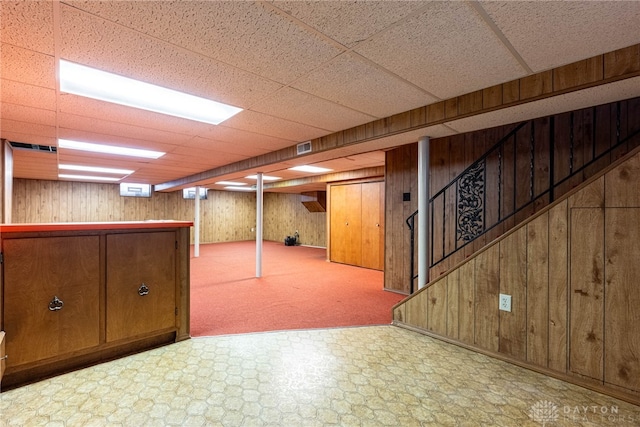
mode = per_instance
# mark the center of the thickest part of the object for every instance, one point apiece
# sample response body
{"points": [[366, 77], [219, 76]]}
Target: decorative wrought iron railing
{"points": [[507, 172]]}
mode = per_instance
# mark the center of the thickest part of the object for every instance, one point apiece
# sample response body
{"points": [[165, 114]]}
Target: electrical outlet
{"points": [[505, 302]]}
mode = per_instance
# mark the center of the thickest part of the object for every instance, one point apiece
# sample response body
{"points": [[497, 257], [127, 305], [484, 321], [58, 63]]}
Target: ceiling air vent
{"points": [[34, 147], [304, 147]]}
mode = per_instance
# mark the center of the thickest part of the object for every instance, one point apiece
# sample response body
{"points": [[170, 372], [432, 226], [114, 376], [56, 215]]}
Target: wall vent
{"points": [[304, 147], [34, 147]]}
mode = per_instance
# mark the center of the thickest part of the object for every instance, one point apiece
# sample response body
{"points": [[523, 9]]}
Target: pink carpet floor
{"points": [[298, 289]]}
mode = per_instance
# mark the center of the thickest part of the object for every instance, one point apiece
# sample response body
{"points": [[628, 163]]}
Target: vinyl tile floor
{"points": [[364, 376]]}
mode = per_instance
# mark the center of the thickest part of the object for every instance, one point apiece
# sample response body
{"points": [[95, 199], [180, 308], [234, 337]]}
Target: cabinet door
{"points": [[141, 289], [36, 272], [346, 224], [373, 225]]}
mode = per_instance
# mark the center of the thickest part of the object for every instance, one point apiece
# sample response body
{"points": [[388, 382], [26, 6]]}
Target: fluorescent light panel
{"points": [[85, 81], [232, 183], [264, 177], [310, 169], [109, 149], [237, 188], [88, 177], [95, 169]]}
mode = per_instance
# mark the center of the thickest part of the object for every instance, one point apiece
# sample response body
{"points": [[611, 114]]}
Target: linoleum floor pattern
{"points": [[364, 376]]}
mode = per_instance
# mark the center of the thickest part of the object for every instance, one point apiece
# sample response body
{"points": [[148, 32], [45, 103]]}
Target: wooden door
{"points": [[51, 296], [373, 225], [141, 291], [346, 224]]}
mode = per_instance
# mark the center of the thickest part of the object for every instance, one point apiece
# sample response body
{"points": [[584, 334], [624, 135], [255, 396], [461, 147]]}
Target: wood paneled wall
{"points": [[401, 176], [225, 216], [284, 214], [573, 275]]}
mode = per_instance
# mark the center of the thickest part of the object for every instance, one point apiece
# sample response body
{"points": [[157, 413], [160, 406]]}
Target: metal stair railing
{"points": [[469, 188]]}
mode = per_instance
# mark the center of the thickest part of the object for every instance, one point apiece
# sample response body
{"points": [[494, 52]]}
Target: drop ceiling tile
{"points": [[246, 139], [28, 95], [13, 126], [447, 50], [28, 24], [211, 146], [367, 89], [550, 34], [71, 125], [27, 66], [300, 107], [349, 23], [34, 165], [246, 35], [253, 121], [213, 157], [28, 115], [98, 43]]}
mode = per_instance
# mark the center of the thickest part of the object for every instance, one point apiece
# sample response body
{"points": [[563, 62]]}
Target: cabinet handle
{"points": [[55, 304], [143, 290], [6, 356], [377, 225]]}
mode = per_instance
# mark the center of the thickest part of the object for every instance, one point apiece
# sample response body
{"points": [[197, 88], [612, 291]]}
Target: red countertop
{"points": [[73, 226]]}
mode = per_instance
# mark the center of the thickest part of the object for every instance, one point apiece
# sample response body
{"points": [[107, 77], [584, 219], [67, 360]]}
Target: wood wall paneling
{"points": [[586, 344], [558, 286], [622, 299], [401, 171], [467, 298], [416, 311], [487, 321], [537, 266], [225, 216], [513, 281], [453, 304], [620, 184], [437, 303]]}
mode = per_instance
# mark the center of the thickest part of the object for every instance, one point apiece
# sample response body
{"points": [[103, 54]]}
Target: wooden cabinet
{"points": [[52, 305], [74, 295], [141, 292], [357, 224]]}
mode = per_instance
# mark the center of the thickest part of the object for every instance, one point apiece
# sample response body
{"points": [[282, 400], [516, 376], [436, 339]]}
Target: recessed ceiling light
{"points": [[85, 81], [230, 183], [88, 177], [95, 169], [237, 188], [264, 177], [310, 169], [109, 149]]}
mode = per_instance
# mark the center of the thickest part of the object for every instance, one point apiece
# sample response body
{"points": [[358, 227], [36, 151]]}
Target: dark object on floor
{"points": [[290, 241]]}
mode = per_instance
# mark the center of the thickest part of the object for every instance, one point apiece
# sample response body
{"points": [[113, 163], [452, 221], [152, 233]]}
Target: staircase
{"points": [[526, 170], [572, 274]]}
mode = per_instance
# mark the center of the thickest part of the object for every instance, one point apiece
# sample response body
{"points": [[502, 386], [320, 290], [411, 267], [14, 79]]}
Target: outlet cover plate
{"points": [[505, 302]]}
